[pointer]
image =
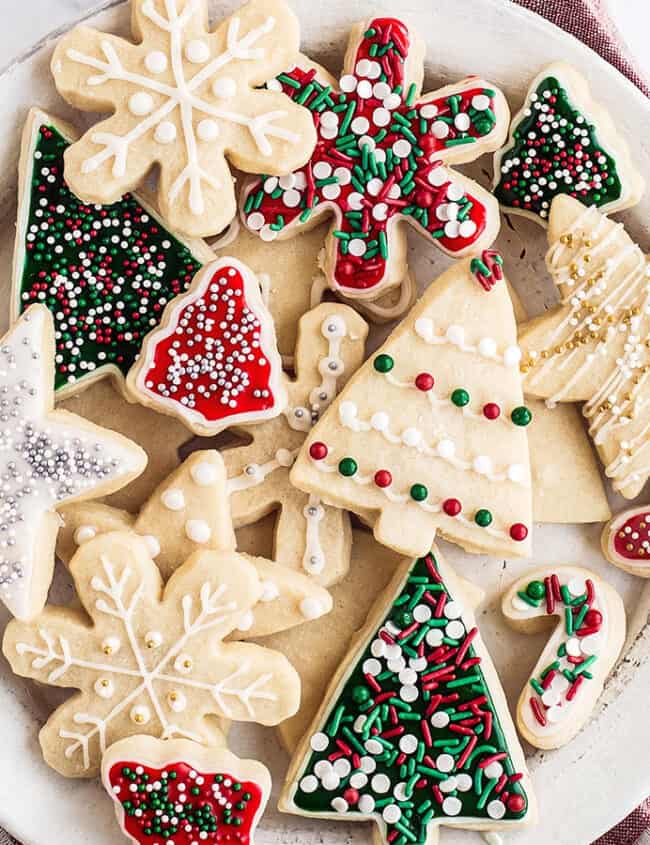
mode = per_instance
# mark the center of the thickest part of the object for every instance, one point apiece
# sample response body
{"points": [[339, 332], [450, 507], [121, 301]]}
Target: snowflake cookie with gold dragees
{"points": [[381, 161], [594, 347], [48, 458], [569, 676], [153, 660], [430, 434], [187, 513], [183, 98], [309, 536]]}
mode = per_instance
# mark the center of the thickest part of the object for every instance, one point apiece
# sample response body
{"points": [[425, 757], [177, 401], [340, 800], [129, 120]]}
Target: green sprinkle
{"points": [[525, 597], [585, 664], [568, 620], [539, 689]]}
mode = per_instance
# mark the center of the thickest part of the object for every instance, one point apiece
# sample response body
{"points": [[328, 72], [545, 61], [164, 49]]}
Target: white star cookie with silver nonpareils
{"points": [[184, 98], [153, 660], [309, 536], [189, 512], [47, 458]]}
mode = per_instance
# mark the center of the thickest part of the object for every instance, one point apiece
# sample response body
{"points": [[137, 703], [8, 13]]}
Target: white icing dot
{"points": [[422, 613], [445, 762], [446, 448], [451, 806], [411, 437], [207, 130], [140, 714], [380, 421], [309, 784], [204, 474], [366, 804], [373, 746], [408, 743], [84, 533], [291, 198], [198, 530], [358, 780], [165, 132], [371, 667], [573, 647], [440, 719], [140, 103], [311, 608], [487, 347], [380, 783], [496, 809], [357, 246], [439, 130], [437, 176], [455, 630], [340, 804], [402, 148], [322, 768], [246, 620], [197, 51], [225, 88], [482, 464], [173, 499], [155, 61], [360, 125], [104, 687], [448, 785], [467, 229], [456, 335], [462, 122], [270, 591], [480, 102], [255, 221], [408, 693], [493, 770], [391, 813], [434, 637], [453, 610], [319, 741], [342, 767], [368, 765], [464, 782], [512, 356], [429, 110]]}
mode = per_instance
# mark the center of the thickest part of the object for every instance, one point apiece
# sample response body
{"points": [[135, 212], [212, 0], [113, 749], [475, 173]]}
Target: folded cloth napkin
{"points": [[588, 21]]}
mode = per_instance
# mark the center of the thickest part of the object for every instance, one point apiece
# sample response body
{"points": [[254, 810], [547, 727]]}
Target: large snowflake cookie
{"points": [[381, 161], [569, 676], [153, 660], [181, 793], [183, 98], [213, 361], [47, 458]]}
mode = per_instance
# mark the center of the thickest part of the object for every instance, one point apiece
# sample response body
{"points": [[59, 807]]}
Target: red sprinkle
{"points": [[537, 712]]}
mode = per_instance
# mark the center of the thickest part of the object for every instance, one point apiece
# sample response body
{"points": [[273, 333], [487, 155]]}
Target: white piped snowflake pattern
{"points": [[152, 662], [181, 98]]}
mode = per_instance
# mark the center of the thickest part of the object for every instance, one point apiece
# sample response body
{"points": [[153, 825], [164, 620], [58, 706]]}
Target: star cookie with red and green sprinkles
{"points": [[179, 792], [213, 361], [563, 142], [381, 161], [569, 676], [414, 731], [626, 541], [104, 272]]}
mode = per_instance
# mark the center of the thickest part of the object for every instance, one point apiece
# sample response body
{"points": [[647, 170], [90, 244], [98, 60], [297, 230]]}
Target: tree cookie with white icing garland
{"points": [[430, 434], [213, 360], [182, 792], [564, 142], [381, 161], [594, 346], [310, 536], [183, 98], [153, 660], [189, 512], [414, 730], [105, 272], [48, 458], [569, 676], [626, 541]]}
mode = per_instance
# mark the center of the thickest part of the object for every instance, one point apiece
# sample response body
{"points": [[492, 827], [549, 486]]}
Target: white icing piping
{"points": [[254, 474], [313, 560], [455, 336]]}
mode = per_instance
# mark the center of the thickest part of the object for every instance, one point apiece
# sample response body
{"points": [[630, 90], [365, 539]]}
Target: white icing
{"points": [[156, 61], [153, 544], [455, 335], [254, 474], [173, 499], [204, 474], [313, 560], [84, 533], [104, 687], [270, 591], [225, 87], [165, 132], [140, 714], [185, 92], [207, 130], [198, 530], [153, 639], [311, 608], [177, 701]]}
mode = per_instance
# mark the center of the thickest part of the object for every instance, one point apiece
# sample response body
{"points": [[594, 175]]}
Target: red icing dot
{"points": [[383, 478], [491, 410], [593, 618], [516, 803], [318, 451], [518, 531], [452, 507], [424, 381], [351, 796]]}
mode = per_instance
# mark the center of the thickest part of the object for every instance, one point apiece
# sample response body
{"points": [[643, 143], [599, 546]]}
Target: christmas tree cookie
{"points": [[105, 273], [189, 512], [309, 536], [381, 161], [183, 98], [626, 541], [563, 142], [593, 347], [213, 361], [430, 434], [181, 792], [569, 676], [48, 458], [414, 731], [153, 660]]}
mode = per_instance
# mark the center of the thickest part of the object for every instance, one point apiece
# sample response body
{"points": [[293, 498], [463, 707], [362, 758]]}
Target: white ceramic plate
{"points": [[582, 789]]}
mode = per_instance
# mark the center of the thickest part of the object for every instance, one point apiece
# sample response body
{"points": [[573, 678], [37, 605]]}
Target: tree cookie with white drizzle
{"points": [[594, 347], [153, 660], [569, 676], [183, 98]]}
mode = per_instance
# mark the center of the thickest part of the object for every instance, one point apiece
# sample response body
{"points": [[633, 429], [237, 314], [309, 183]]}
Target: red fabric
{"points": [[630, 829]]}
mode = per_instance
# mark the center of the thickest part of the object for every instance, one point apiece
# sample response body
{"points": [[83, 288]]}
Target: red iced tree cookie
{"points": [[213, 360], [626, 541], [379, 161], [180, 792]]}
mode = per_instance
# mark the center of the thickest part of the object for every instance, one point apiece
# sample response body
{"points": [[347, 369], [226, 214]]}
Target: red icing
{"points": [[245, 803], [386, 200], [227, 372], [629, 546]]}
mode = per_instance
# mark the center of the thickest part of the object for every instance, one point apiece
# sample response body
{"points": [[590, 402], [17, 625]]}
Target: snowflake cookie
{"points": [[183, 98], [381, 161], [213, 361], [157, 784], [189, 512], [48, 458], [153, 660]]}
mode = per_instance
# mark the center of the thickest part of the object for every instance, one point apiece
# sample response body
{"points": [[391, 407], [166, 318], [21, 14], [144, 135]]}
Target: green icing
{"points": [[105, 272], [397, 746], [566, 159]]}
